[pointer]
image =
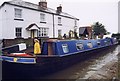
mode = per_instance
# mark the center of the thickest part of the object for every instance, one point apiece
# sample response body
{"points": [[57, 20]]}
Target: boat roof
{"points": [[66, 40]]}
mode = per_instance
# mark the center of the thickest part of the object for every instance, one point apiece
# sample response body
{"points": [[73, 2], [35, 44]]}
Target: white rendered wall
{"points": [[30, 17], [67, 25], [0, 23]]}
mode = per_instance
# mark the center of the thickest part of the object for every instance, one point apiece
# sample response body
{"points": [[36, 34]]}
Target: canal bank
{"points": [[107, 68], [108, 71]]}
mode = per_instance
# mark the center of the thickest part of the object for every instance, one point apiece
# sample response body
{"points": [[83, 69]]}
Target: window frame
{"points": [[59, 32], [65, 48], [81, 48], [105, 42], [98, 43], [18, 13], [60, 21], [89, 46], [75, 23], [43, 32], [42, 17], [18, 32]]}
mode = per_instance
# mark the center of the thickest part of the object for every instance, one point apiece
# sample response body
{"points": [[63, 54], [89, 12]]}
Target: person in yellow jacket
{"points": [[37, 49]]}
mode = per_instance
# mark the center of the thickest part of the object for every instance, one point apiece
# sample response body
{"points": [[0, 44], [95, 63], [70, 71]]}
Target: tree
{"points": [[99, 30]]}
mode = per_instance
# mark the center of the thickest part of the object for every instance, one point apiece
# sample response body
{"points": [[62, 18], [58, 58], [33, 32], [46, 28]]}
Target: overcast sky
{"points": [[88, 11]]}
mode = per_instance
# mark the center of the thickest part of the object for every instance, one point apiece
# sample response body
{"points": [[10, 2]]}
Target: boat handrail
{"points": [[47, 55]]}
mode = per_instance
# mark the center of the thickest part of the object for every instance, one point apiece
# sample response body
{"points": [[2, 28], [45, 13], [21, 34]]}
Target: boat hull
{"points": [[12, 70]]}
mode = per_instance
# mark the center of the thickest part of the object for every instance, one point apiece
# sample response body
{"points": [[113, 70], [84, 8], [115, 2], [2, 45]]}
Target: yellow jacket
{"points": [[37, 49]]}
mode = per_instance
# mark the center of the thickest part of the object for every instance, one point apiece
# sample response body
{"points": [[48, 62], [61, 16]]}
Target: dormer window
{"points": [[18, 13]]}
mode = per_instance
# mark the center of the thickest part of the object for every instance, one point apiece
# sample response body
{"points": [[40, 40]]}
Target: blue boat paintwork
{"points": [[18, 59], [72, 49], [45, 64], [5, 58]]}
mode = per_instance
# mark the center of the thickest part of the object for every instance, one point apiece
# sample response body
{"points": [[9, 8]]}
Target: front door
{"points": [[32, 34]]}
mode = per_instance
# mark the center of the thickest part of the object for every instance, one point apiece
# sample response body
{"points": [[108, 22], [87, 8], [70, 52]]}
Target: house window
{"points": [[75, 22], [18, 13], [89, 44], [65, 48], [43, 32], [42, 17], [59, 32], [18, 32], [59, 20], [79, 46]]}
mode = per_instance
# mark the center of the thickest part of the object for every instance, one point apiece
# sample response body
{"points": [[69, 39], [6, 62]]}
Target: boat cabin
{"points": [[68, 47], [64, 47]]}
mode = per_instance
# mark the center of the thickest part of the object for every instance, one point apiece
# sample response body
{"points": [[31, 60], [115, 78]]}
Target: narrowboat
{"points": [[55, 55]]}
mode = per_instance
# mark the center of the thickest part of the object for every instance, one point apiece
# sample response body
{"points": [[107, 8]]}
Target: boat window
{"points": [[65, 48], [115, 40], [89, 44], [109, 42], [79, 46], [105, 42], [98, 43]]}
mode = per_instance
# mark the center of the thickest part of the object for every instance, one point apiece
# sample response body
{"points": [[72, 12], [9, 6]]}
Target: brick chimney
{"points": [[59, 9], [43, 4]]}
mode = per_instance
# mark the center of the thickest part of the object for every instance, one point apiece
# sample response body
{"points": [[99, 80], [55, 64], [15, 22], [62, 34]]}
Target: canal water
{"points": [[86, 68]]}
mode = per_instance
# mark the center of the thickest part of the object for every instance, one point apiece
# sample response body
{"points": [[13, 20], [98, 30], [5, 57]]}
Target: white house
{"points": [[119, 16], [21, 19]]}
